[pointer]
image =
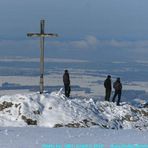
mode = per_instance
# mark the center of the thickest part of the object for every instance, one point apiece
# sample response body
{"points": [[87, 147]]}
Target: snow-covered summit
{"points": [[55, 110]]}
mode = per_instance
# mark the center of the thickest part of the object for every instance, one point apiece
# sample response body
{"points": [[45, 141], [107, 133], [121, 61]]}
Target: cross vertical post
{"points": [[42, 36], [42, 25]]}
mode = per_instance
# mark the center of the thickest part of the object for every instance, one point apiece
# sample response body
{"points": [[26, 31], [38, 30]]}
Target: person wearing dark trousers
{"points": [[118, 90], [108, 88], [66, 81]]}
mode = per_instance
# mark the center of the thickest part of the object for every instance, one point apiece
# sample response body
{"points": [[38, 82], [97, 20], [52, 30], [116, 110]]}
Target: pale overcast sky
{"points": [[116, 29]]}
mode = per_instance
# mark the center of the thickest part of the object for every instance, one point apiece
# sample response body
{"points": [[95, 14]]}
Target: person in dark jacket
{"points": [[66, 81], [108, 88], [118, 90]]}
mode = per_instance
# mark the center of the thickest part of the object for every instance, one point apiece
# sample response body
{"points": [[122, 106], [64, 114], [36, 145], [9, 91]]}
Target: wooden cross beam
{"points": [[42, 36]]}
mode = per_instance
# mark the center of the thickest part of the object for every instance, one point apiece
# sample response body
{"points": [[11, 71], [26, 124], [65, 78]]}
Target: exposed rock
{"points": [[36, 112], [29, 121], [74, 125], [50, 108], [146, 105], [19, 110], [16, 105], [144, 113], [127, 117], [82, 124], [135, 110], [71, 125], [58, 125], [5, 105]]}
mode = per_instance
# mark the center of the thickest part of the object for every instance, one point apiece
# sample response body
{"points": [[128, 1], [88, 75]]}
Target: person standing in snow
{"points": [[118, 90], [66, 81], [108, 88]]}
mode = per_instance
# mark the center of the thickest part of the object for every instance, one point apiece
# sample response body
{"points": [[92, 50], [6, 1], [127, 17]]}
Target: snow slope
{"points": [[55, 110]]}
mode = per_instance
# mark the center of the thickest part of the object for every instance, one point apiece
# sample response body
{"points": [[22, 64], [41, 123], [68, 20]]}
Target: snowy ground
{"points": [[36, 137]]}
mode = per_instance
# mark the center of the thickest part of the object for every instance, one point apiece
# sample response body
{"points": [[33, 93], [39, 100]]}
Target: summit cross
{"points": [[42, 36]]}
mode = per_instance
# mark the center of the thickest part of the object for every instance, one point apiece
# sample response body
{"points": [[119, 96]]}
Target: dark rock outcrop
{"points": [[29, 121], [5, 105]]}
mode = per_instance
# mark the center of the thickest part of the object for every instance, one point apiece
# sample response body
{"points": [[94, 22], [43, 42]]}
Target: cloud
{"points": [[17, 44], [91, 40], [127, 44], [82, 44], [88, 43], [92, 43]]}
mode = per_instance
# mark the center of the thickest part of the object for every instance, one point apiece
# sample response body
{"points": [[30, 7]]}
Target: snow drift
{"points": [[55, 110]]}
